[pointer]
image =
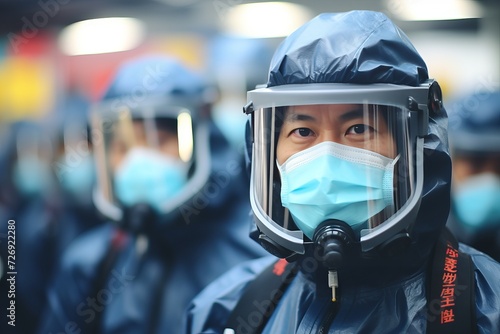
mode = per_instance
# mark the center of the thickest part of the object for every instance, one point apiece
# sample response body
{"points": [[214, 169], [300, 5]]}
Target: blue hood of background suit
{"points": [[155, 75], [474, 124], [367, 48]]}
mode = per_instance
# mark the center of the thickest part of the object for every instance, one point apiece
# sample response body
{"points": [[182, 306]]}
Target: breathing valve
{"points": [[333, 239]]}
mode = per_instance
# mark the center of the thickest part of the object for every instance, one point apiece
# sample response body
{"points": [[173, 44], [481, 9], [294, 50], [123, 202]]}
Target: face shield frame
{"points": [[416, 100], [152, 108]]}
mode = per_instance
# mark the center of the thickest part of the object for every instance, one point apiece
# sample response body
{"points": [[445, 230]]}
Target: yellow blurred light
{"points": [[432, 10], [265, 19], [185, 135], [187, 47], [26, 89], [104, 35]]}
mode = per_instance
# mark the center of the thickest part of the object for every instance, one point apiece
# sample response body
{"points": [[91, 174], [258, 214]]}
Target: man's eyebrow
{"points": [[352, 114], [293, 117]]}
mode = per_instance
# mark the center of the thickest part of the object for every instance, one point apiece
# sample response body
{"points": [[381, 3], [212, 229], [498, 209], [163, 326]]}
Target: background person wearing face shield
{"points": [[350, 183], [174, 192], [474, 126]]}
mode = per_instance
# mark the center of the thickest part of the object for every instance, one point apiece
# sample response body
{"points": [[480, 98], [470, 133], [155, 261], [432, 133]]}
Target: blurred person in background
{"points": [[27, 155], [350, 187], [176, 198], [237, 65], [28, 196], [74, 166], [47, 191], [474, 128]]}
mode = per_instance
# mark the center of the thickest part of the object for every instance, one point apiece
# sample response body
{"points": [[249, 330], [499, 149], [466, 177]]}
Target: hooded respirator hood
{"points": [[359, 49], [155, 76], [474, 123], [150, 101]]}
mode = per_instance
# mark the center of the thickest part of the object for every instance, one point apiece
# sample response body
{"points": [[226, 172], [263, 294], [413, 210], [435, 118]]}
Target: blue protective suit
{"points": [[382, 294], [365, 306], [152, 277]]}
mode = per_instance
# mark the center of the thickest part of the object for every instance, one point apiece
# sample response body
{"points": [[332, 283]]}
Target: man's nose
{"points": [[330, 135]]}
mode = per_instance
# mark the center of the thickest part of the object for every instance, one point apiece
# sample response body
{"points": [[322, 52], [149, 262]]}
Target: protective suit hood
{"points": [[474, 124], [365, 48], [155, 75]]}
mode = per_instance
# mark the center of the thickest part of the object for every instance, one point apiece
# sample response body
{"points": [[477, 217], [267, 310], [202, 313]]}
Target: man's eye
{"points": [[303, 132], [359, 129]]}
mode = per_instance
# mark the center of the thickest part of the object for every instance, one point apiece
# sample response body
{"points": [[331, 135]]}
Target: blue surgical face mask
{"points": [[334, 181], [477, 201], [147, 176], [32, 176], [77, 178]]}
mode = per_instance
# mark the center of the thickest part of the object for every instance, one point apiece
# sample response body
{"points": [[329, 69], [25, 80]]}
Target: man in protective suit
{"points": [[350, 186], [176, 199]]}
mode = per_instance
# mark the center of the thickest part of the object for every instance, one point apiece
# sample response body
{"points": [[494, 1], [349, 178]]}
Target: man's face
{"points": [[136, 134], [466, 166], [347, 124]]}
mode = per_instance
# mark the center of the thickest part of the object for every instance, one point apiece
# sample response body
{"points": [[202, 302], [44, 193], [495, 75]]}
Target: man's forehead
{"points": [[310, 112]]}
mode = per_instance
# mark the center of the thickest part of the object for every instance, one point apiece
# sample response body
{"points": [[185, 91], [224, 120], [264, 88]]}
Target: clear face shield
{"points": [[343, 155], [148, 155]]}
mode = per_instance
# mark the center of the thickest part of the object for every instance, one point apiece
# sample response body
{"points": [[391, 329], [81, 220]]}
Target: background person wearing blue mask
{"points": [[74, 163], [174, 192], [474, 127], [236, 65], [74, 168], [350, 183]]}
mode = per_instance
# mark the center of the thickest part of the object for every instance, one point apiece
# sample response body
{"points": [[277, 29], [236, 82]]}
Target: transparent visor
{"points": [[324, 162], [145, 155]]}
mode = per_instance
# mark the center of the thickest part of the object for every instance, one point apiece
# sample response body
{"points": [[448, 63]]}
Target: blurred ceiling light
{"points": [[104, 35], [432, 10], [265, 19], [179, 3]]}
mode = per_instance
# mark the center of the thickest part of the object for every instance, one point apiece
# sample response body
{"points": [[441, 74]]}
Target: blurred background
{"points": [[57, 57], [48, 53]]}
